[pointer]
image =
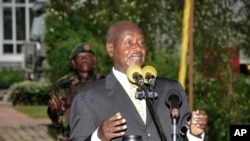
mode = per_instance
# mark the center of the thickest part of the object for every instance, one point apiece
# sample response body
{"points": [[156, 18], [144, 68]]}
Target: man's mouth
{"points": [[84, 63], [136, 58]]}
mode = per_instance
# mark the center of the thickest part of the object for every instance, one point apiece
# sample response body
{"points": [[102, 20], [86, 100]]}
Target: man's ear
{"points": [[73, 63], [110, 48]]}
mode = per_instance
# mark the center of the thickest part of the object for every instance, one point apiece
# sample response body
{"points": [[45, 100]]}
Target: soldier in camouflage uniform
{"points": [[83, 60]]}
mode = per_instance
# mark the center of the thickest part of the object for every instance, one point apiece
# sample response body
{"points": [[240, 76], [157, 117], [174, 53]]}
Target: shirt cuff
{"points": [[194, 138], [94, 136]]}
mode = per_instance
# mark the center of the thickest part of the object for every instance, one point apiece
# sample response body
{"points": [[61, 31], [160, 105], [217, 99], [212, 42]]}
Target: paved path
{"points": [[16, 126]]}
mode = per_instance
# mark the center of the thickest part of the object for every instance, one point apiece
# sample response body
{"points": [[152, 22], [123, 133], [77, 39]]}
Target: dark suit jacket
{"points": [[103, 98]]}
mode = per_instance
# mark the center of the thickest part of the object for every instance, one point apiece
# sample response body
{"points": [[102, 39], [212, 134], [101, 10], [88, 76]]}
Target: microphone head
{"points": [[173, 101], [132, 72], [148, 72], [175, 95]]}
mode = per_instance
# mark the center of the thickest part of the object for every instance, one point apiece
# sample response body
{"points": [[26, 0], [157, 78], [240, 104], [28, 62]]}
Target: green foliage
{"points": [[30, 92], [9, 76], [167, 65], [218, 25], [224, 106], [103, 61], [218, 90]]}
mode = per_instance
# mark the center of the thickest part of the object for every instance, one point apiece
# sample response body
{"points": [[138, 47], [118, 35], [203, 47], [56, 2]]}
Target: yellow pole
{"points": [[187, 41], [184, 43]]}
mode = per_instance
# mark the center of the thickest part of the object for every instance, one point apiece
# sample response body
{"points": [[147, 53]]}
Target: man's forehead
{"points": [[84, 53], [86, 47], [131, 33]]}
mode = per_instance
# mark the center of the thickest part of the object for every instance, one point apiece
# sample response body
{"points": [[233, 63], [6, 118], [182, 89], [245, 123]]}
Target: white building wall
{"points": [[13, 58]]}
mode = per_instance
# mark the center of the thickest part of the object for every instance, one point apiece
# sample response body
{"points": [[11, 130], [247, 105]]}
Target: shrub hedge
{"points": [[30, 92], [10, 76]]}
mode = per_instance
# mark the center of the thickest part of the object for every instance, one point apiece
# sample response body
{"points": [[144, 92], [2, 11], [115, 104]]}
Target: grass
{"points": [[35, 112]]}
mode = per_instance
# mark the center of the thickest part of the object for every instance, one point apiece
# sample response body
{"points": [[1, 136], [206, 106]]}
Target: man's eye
{"points": [[141, 43], [89, 56], [129, 43]]}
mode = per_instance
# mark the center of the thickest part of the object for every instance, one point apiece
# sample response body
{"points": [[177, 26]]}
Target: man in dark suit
{"points": [[104, 111]]}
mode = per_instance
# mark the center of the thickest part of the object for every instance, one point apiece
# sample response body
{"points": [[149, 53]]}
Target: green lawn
{"points": [[35, 112]]}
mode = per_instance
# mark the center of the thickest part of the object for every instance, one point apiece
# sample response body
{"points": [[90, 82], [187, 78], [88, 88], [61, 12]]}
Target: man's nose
{"points": [[84, 57]]}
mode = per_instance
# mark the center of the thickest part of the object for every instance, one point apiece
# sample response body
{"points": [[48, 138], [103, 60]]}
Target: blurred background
{"points": [[36, 37]]}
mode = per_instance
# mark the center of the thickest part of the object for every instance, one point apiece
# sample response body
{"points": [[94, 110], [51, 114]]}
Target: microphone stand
{"points": [[174, 129], [174, 116]]}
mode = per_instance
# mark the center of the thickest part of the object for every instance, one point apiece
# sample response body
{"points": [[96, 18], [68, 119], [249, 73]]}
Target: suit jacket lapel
{"points": [[156, 104], [119, 97]]}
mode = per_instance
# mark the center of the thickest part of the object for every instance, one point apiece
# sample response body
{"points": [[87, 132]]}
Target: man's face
{"points": [[127, 49], [84, 62]]}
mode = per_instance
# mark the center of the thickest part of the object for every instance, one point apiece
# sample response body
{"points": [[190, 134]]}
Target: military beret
{"points": [[82, 47]]}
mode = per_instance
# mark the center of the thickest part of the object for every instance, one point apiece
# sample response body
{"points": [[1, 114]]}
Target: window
{"points": [[16, 24], [7, 24], [7, 49], [20, 23]]}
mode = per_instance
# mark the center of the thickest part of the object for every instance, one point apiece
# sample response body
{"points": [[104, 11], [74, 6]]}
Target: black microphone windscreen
{"points": [[173, 95], [173, 101]]}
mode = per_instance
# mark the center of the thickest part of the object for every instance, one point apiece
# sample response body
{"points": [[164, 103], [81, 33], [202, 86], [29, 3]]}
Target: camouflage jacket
{"points": [[61, 99]]}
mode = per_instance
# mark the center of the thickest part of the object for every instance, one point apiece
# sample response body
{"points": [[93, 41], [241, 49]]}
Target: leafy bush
{"points": [[166, 64], [30, 92], [9, 76], [224, 106]]}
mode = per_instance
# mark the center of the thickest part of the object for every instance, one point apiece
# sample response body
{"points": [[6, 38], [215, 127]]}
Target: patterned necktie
{"points": [[139, 103]]}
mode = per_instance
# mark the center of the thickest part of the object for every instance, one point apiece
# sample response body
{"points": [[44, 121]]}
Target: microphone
{"points": [[134, 74], [173, 100], [149, 74]]}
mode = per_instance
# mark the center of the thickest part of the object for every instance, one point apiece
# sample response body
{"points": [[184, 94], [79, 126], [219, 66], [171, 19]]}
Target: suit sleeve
{"points": [[185, 113], [81, 120]]}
